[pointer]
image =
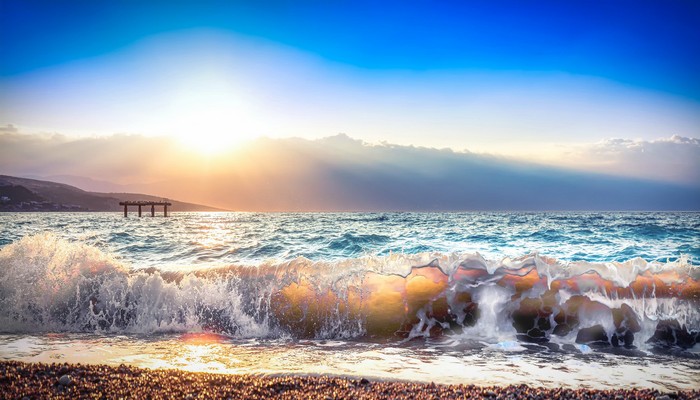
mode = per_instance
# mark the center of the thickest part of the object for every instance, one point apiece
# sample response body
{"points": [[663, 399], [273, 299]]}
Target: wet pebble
{"points": [[65, 380], [98, 381]]}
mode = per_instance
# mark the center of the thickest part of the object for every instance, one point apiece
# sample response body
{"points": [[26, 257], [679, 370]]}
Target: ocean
{"points": [[600, 300]]}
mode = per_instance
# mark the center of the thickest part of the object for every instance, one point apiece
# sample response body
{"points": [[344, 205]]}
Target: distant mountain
{"points": [[85, 183], [22, 194]]}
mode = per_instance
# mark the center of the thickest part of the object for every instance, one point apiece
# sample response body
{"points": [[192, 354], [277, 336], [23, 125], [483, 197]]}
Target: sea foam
{"points": [[50, 284]]}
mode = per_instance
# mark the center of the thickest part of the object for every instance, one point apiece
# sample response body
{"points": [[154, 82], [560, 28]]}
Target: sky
{"points": [[593, 87]]}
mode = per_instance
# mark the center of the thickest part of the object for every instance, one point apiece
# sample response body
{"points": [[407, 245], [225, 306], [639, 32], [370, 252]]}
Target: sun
{"points": [[211, 116]]}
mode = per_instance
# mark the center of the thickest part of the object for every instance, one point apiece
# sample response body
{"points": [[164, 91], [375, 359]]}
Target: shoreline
{"points": [[20, 380]]}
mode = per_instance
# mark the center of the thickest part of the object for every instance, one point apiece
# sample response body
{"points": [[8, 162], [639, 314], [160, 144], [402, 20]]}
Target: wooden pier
{"points": [[140, 204]]}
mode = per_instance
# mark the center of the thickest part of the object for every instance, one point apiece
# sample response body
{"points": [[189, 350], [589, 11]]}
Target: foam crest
{"points": [[50, 284]]}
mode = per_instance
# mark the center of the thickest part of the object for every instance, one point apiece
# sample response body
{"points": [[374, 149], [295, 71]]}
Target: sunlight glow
{"points": [[209, 130], [209, 113]]}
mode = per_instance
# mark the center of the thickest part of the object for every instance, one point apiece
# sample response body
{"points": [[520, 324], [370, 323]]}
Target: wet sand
{"points": [[20, 380]]}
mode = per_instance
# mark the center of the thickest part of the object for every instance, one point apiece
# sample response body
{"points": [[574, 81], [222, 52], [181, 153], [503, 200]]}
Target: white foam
{"points": [[51, 284]]}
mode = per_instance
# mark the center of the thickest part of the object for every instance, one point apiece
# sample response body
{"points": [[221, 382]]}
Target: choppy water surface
{"points": [[187, 239], [601, 299]]}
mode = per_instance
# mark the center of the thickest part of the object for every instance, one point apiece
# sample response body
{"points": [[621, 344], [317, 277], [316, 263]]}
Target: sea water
{"points": [[548, 299]]}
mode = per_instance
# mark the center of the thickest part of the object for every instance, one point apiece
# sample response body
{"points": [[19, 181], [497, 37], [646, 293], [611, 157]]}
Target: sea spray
{"points": [[50, 284]]}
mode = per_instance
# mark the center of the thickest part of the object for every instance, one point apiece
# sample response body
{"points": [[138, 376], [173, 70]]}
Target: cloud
{"points": [[340, 173], [121, 158], [673, 159], [9, 128]]}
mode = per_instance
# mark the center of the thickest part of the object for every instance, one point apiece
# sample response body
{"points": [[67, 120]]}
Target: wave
{"points": [[50, 284]]}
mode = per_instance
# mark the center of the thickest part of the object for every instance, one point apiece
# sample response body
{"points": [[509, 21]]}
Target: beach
{"points": [[68, 381], [216, 294]]}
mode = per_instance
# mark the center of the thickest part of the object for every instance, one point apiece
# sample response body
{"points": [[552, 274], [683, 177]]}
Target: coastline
{"points": [[50, 381]]}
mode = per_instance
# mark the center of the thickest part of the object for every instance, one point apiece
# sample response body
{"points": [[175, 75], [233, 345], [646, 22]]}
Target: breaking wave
{"points": [[50, 284]]}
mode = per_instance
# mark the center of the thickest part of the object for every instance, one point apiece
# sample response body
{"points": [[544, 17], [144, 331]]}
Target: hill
{"points": [[22, 194]]}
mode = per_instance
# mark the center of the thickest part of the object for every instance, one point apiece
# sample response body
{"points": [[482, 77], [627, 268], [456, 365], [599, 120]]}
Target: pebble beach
{"points": [[20, 380]]}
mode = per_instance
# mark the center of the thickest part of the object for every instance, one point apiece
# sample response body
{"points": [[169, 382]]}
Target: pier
{"points": [[140, 204]]}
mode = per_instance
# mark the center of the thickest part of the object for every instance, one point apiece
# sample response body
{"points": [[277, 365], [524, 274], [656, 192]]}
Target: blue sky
{"points": [[601, 86], [651, 44]]}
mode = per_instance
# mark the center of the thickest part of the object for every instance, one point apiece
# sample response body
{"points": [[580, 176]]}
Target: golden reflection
{"points": [[202, 338], [201, 352], [387, 303], [212, 236]]}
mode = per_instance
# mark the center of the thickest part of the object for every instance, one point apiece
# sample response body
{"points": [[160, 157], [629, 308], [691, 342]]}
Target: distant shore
{"points": [[20, 380], [32, 195]]}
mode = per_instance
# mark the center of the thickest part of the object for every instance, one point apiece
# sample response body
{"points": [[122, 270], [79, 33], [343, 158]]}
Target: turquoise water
{"points": [[196, 239], [494, 298]]}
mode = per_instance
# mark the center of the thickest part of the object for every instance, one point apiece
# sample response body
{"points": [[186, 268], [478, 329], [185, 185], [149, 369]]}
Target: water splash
{"points": [[50, 284]]}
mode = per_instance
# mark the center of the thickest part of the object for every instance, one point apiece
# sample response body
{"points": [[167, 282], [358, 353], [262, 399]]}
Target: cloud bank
{"points": [[340, 173], [674, 159]]}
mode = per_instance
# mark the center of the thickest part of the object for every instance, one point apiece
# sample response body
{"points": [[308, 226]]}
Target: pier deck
{"points": [[140, 204]]}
